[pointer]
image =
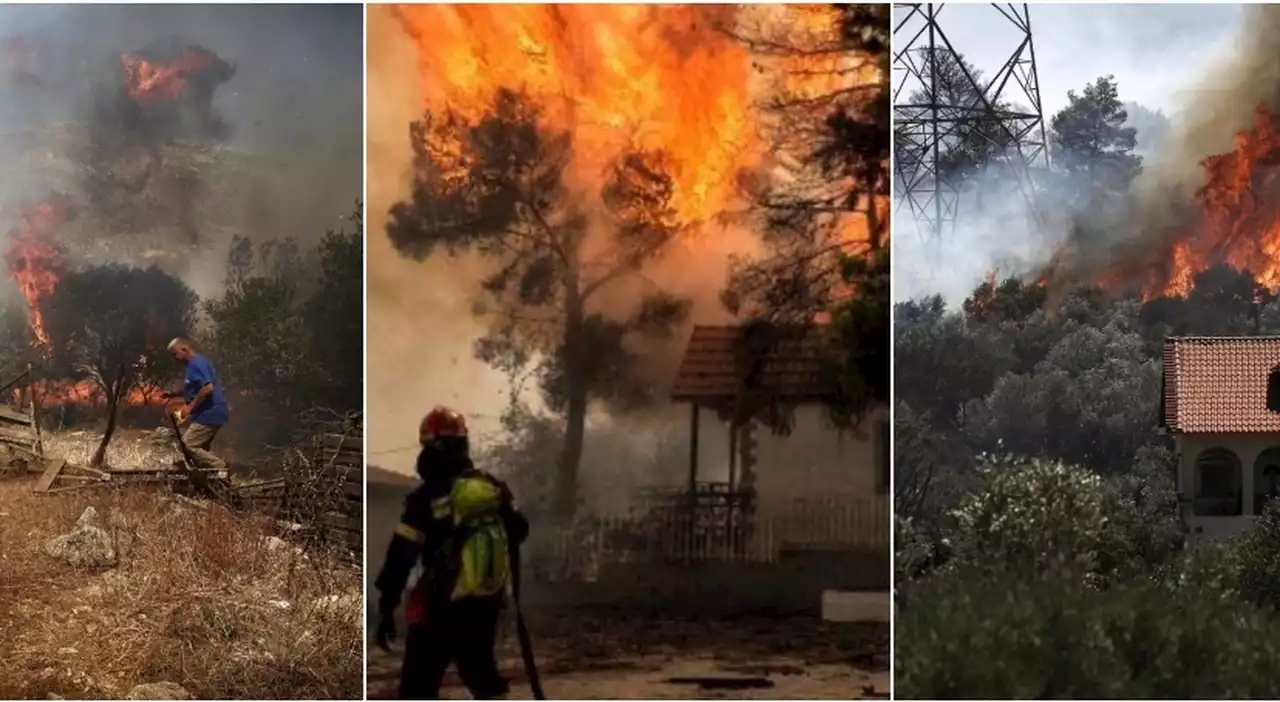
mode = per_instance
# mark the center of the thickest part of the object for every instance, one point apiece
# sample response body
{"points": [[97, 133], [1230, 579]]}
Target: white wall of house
{"points": [[1248, 448], [818, 485], [815, 461], [818, 461]]}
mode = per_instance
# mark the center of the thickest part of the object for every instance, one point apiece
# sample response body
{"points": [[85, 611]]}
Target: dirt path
{"points": [[586, 656]]}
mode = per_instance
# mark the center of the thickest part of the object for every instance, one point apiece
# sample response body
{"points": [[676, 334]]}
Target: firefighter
{"points": [[463, 526]]}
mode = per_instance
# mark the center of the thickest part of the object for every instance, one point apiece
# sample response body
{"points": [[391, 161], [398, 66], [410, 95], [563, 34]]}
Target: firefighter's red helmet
{"points": [[439, 423]]}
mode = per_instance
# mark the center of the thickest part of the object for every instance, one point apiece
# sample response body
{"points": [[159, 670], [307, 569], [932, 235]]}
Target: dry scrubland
{"points": [[195, 595]]}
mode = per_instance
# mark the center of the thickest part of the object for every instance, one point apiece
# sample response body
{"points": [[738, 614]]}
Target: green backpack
{"points": [[480, 538]]}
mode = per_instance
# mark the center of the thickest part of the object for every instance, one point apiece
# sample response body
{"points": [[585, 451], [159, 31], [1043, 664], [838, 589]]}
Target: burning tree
{"points": [[496, 185], [109, 325], [824, 216], [151, 101]]}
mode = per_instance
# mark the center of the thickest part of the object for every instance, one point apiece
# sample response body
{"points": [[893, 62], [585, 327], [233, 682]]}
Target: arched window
{"points": [[1266, 478], [1218, 483]]}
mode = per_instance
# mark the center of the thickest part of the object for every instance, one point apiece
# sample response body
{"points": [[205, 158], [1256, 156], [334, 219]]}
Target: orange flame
{"points": [[667, 78], [613, 76], [52, 393], [1238, 220], [148, 81], [34, 257], [35, 260]]}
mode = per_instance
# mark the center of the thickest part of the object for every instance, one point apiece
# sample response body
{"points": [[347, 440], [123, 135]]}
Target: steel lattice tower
{"points": [[935, 110]]}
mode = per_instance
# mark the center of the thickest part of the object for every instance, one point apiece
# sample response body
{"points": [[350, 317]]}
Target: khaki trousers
{"points": [[198, 438]]}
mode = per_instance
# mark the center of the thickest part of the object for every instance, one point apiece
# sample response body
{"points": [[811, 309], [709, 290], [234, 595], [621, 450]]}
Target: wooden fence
{"points": [[322, 487]]}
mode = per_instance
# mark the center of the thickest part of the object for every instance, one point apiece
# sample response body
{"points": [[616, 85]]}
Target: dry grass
{"points": [[199, 596], [129, 448]]}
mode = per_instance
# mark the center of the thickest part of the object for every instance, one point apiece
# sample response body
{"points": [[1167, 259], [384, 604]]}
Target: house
{"points": [[1220, 399], [385, 491], [761, 392]]}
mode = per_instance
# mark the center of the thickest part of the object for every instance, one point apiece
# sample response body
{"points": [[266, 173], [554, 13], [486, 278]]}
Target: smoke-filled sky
{"points": [[1151, 49], [299, 83], [1160, 56], [293, 107]]}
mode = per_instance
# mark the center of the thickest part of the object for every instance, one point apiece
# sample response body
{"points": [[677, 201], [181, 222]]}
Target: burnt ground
{"points": [[597, 653]]}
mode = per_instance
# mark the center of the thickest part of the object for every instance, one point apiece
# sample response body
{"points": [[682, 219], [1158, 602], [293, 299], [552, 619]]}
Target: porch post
{"points": [[733, 453], [733, 504], [692, 497], [693, 447]]}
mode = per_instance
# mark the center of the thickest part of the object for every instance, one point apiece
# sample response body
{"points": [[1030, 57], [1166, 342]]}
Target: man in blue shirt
{"points": [[206, 405]]}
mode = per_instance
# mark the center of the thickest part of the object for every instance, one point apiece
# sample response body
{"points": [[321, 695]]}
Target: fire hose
{"points": [[522, 631]]}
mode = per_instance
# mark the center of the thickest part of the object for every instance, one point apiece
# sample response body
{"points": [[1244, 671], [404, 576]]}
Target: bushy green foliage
{"points": [[1065, 584], [1031, 516], [931, 466], [1063, 571], [110, 325], [861, 327], [913, 550], [1142, 507], [999, 635], [287, 333], [1258, 559]]}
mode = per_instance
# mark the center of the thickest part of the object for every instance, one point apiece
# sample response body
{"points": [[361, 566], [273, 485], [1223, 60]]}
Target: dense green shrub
{"points": [[981, 633], [913, 550], [1030, 516], [1063, 572], [1258, 559], [1142, 511]]}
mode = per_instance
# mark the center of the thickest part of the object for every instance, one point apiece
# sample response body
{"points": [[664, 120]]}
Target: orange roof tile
{"points": [[1219, 384]]}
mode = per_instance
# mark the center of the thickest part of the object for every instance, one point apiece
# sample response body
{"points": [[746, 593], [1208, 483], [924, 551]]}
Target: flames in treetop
{"points": [[667, 78], [1236, 221], [34, 257], [147, 81]]}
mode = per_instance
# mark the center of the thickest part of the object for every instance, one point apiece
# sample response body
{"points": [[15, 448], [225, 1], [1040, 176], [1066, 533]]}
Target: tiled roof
{"points": [[1219, 384], [723, 362]]}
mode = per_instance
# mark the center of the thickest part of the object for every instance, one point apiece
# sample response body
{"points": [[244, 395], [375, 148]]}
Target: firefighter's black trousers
{"points": [[465, 632]]}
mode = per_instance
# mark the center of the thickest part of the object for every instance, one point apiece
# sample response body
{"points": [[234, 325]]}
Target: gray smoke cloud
{"points": [[1208, 95], [269, 127], [1222, 101]]}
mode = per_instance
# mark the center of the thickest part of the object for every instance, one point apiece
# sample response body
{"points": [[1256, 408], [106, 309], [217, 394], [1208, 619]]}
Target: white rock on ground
{"points": [[86, 545], [158, 691]]}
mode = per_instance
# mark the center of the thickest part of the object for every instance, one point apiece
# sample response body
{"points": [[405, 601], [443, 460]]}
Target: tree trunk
{"points": [[113, 401], [566, 490]]}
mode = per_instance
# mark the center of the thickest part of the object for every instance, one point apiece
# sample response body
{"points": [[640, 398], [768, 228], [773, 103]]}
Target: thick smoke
{"points": [[1222, 103], [265, 139], [148, 101], [1161, 205], [1071, 247], [420, 325]]}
